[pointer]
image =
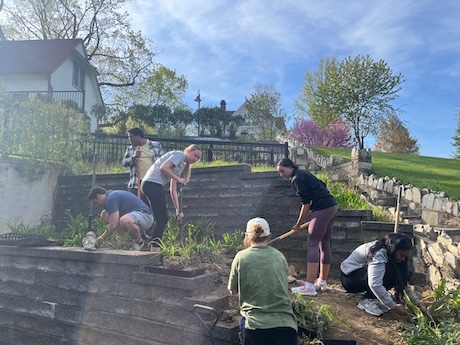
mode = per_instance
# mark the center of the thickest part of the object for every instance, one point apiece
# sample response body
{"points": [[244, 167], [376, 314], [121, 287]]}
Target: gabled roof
{"points": [[36, 56]]}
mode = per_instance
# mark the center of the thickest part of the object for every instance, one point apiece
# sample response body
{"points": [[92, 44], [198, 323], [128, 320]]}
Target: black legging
{"points": [[357, 281], [156, 195]]}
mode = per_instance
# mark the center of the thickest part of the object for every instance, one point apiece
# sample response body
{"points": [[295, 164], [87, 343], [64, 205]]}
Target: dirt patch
{"points": [[364, 328]]}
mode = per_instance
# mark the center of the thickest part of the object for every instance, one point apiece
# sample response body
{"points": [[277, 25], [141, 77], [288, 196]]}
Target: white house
{"points": [[248, 128], [58, 69]]}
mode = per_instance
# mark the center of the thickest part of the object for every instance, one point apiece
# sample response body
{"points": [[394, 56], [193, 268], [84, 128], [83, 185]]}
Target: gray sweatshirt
{"points": [[375, 272]]}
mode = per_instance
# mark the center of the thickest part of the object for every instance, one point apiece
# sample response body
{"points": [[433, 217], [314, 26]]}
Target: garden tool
{"points": [[287, 234], [202, 311], [138, 162]]}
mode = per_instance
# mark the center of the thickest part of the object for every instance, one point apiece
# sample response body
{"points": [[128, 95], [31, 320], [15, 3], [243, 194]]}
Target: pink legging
{"points": [[320, 235]]}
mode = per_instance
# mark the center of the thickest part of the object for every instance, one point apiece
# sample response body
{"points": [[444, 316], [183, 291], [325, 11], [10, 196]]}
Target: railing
{"points": [[75, 98], [111, 148]]}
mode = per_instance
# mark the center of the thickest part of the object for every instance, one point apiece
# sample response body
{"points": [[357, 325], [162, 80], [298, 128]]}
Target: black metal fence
{"points": [[111, 148]]}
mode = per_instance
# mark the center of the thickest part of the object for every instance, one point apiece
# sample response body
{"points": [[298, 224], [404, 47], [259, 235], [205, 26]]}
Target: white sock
{"points": [[309, 285], [321, 280]]}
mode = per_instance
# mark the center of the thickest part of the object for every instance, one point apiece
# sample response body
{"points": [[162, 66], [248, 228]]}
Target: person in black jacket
{"points": [[315, 197]]}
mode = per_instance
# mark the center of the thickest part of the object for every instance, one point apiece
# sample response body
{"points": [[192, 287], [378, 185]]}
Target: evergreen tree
{"points": [[456, 138]]}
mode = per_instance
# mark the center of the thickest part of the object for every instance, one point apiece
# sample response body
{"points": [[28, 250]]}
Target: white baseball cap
{"points": [[255, 223]]}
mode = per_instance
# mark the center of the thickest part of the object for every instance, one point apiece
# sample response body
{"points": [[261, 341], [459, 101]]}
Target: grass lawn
{"points": [[437, 174]]}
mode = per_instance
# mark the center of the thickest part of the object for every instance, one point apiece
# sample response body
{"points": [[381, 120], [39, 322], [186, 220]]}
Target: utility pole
{"points": [[198, 99]]}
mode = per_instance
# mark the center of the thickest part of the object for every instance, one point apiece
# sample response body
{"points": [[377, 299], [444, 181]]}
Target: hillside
{"points": [[436, 174]]}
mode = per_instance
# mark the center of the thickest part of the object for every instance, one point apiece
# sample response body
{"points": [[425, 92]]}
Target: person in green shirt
{"points": [[259, 276]]}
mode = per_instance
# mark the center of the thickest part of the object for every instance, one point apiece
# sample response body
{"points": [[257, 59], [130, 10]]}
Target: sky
{"points": [[224, 48]]}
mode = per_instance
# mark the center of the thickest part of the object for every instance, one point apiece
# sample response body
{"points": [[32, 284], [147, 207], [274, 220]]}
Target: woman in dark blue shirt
{"points": [[315, 197]]}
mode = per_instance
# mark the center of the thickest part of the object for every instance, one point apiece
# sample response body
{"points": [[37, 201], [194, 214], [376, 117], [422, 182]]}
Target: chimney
{"points": [[223, 105]]}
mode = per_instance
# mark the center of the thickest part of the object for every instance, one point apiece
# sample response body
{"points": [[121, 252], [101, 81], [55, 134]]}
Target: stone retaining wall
{"points": [[438, 255], [57, 295], [434, 207]]}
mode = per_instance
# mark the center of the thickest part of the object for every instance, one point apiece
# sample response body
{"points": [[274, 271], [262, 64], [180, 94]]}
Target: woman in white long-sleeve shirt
{"points": [[376, 267]]}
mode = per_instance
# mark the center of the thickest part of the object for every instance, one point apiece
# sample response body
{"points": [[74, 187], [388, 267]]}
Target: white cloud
{"points": [[225, 47]]}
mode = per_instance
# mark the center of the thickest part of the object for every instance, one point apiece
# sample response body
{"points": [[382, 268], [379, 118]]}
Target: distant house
{"points": [[57, 69], [247, 129]]}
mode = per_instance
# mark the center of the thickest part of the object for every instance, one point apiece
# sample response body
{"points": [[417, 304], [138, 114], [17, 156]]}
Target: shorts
{"points": [[143, 220]]}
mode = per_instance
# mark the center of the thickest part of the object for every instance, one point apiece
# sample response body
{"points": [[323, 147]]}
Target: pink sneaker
{"points": [[304, 290]]}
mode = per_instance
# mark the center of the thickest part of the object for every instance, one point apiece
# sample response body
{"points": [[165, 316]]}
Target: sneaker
{"points": [[304, 290], [382, 307], [320, 284], [370, 306], [138, 246]]}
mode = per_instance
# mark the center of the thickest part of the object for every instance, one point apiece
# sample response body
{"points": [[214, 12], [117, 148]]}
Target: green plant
{"points": [[74, 232], [20, 228], [233, 239], [201, 230], [446, 302], [168, 250], [313, 318], [442, 324], [47, 230], [348, 199]]}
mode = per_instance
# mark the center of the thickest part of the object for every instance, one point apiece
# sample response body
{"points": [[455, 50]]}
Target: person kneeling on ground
{"points": [[123, 212], [259, 275], [376, 267]]}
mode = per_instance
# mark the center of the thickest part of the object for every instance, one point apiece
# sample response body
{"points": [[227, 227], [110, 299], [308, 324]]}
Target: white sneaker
{"points": [[320, 284], [138, 246], [370, 306], [304, 290]]}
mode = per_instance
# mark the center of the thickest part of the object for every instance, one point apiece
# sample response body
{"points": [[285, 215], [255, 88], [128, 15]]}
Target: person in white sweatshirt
{"points": [[376, 267]]}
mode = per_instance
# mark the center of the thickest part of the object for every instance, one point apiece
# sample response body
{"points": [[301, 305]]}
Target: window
{"points": [[78, 76]]}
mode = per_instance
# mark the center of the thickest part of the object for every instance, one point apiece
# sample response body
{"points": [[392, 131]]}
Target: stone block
{"points": [[16, 304], [418, 265], [187, 286], [354, 233], [437, 204], [437, 252], [408, 194], [416, 195], [42, 308], [68, 314], [339, 233]]}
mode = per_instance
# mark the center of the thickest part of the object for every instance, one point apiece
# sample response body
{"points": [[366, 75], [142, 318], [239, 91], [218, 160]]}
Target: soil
{"points": [[365, 329]]}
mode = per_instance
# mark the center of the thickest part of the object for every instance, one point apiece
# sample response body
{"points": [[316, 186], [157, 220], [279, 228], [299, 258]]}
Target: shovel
{"points": [[287, 234]]}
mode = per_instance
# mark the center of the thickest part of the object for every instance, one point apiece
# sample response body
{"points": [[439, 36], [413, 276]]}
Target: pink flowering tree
{"points": [[307, 132]]}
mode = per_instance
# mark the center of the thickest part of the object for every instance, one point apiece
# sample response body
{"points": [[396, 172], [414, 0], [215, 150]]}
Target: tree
{"points": [[394, 137], [121, 55], [314, 82], [307, 132], [265, 112], [34, 128], [357, 91], [162, 88], [456, 138]]}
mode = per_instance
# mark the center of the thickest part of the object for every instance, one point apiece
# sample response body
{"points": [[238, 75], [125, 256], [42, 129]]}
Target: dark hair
{"points": [[287, 163], [136, 131], [392, 243], [95, 191]]}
